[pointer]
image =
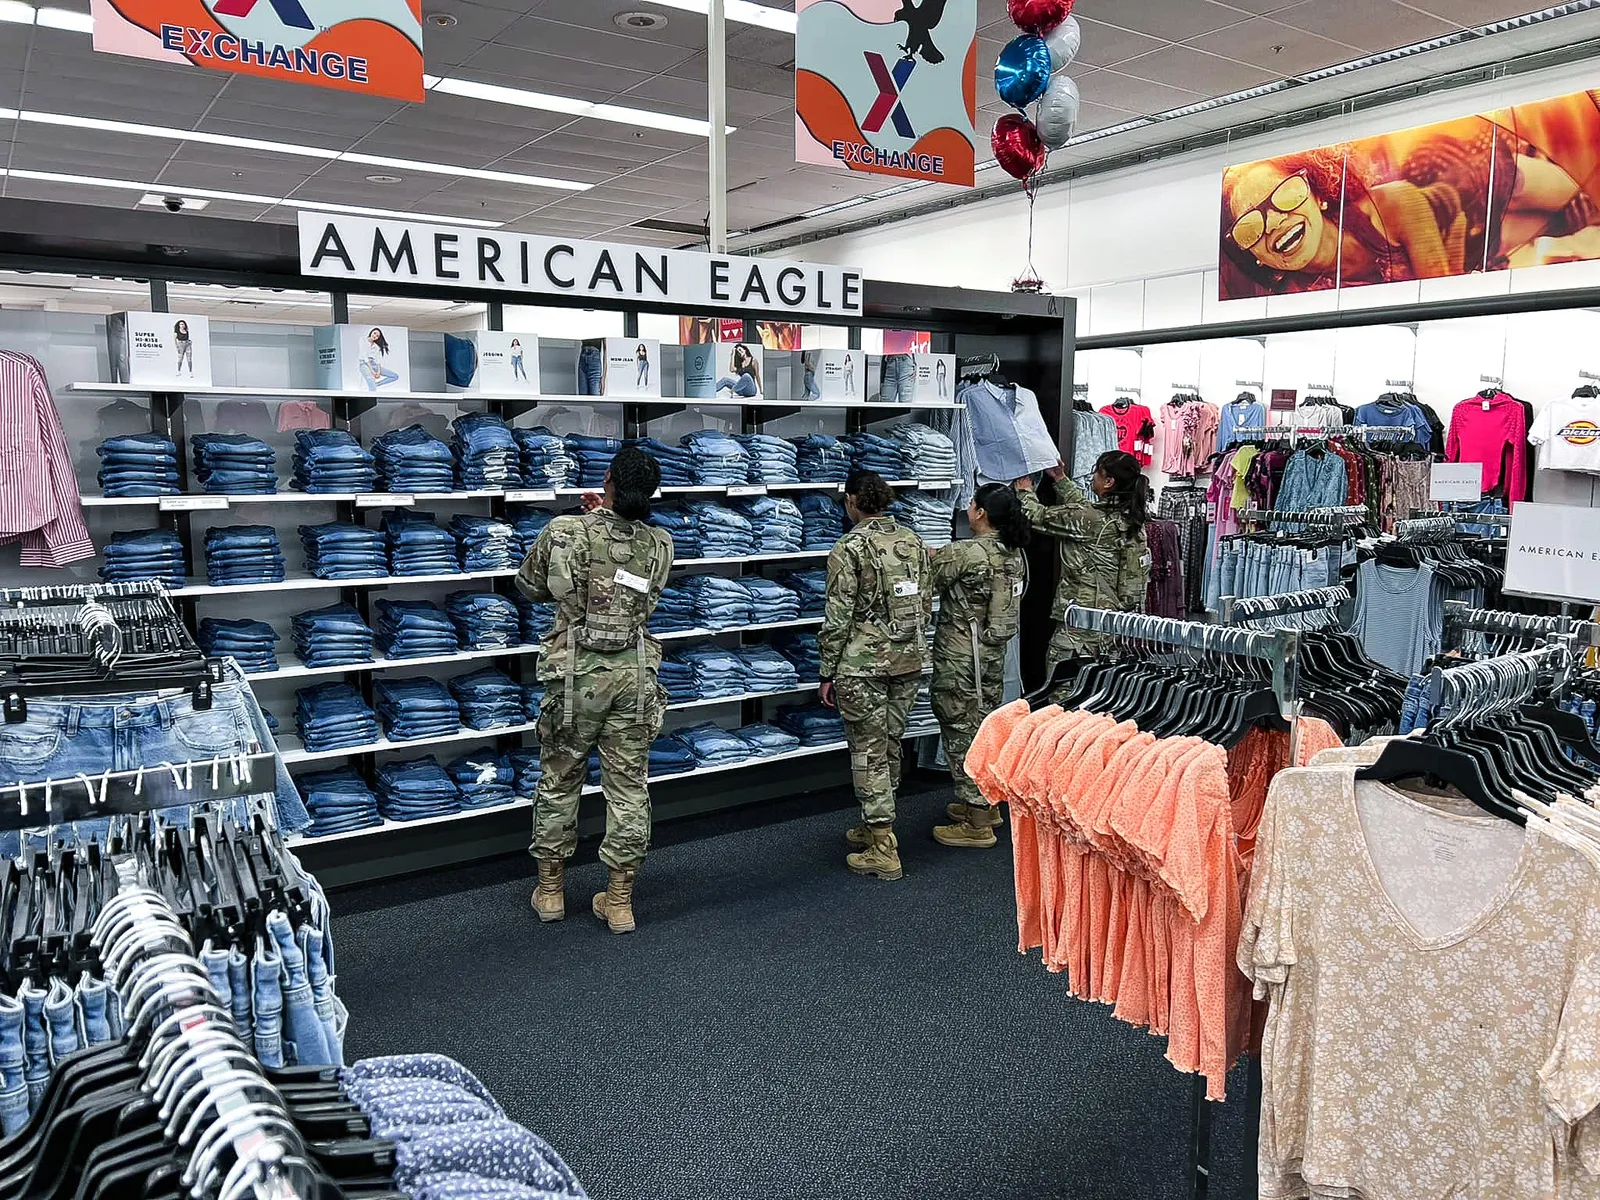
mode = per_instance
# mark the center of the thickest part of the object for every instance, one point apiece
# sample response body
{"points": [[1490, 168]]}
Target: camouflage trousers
{"points": [[604, 712], [961, 701], [875, 709]]}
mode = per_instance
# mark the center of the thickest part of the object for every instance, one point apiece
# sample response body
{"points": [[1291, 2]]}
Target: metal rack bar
{"points": [[119, 793], [1343, 516], [1509, 624], [1479, 689], [1237, 611]]}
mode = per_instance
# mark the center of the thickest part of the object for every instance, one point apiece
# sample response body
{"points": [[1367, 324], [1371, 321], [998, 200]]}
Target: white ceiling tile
{"points": [[1274, 46], [1161, 18], [1370, 24], [1195, 71]]}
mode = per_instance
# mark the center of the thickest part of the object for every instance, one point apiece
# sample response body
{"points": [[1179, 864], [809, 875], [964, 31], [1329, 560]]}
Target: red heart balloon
{"points": [[1038, 16], [1017, 147]]}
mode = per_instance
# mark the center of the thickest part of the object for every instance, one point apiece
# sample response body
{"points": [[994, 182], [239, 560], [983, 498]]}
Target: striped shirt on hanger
{"points": [[39, 502]]}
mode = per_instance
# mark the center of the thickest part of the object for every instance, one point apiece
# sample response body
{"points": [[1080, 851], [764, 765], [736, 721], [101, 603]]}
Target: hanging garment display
{"points": [[1188, 434], [1136, 428], [1243, 412], [1008, 433], [40, 507], [1567, 433], [1492, 428]]}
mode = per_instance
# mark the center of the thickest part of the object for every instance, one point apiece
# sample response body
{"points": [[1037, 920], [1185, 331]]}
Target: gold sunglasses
{"points": [[1289, 195]]}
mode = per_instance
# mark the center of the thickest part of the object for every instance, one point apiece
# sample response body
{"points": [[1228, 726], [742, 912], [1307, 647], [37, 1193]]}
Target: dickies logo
{"points": [[1580, 433]]}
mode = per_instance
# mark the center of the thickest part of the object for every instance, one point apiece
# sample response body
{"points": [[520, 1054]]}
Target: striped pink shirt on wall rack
{"points": [[39, 502]]}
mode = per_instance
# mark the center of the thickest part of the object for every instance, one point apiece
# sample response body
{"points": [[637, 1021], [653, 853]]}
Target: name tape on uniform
{"points": [[628, 579], [905, 587]]}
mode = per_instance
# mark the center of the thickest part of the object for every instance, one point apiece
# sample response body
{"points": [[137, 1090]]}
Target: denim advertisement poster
{"points": [[888, 87], [159, 348], [1509, 188], [363, 358]]}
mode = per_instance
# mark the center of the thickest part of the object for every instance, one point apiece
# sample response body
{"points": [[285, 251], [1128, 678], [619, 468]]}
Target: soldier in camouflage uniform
{"points": [[874, 645], [979, 582], [1105, 559], [605, 570]]}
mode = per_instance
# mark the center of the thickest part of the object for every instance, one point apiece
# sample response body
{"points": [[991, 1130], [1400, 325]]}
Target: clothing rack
{"points": [[1494, 685], [1237, 611], [1525, 625], [1499, 520], [1282, 650], [1438, 528], [123, 793], [1343, 517], [977, 366]]}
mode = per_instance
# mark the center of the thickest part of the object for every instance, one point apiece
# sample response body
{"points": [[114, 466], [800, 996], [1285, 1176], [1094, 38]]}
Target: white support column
{"points": [[717, 116]]}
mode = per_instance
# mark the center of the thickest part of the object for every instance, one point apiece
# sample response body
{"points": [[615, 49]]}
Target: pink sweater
{"points": [[1497, 438]]}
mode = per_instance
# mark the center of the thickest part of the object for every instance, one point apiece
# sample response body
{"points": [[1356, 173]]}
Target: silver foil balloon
{"points": [[1058, 112], [1064, 41]]}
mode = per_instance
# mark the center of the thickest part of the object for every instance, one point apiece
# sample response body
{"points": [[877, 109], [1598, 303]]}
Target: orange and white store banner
{"points": [[369, 46], [888, 87]]}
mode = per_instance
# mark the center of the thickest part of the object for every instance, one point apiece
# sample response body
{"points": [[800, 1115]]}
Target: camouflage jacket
{"points": [[1101, 565], [879, 602], [965, 577], [558, 568]]}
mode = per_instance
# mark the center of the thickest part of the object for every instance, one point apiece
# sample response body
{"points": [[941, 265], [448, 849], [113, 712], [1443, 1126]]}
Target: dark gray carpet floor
{"points": [[778, 1027]]}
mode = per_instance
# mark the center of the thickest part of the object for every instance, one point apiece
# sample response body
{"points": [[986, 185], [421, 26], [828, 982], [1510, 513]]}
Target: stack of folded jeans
{"points": [[145, 554], [237, 555], [483, 779], [719, 603], [802, 650], [544, 457], [719, 460], [335, 636], [250, 642], [138, 464], [776, 521], [528, 523], [714, 746], [333, 716], [926, 514], [483, 620], [925, 453], [413, 460], [594, 455], [767, 740], [339, 801], [488, 699], [823, 521], [812, 588], [414, 629], [669, 755], [681, 524], [675, 612], [486, 544], [723, 532], [874, 452], [417, 546], [770, 600], [677, 462], [524, 764], [772, 459], [341, 550], [822, 459], [414, 789], [813, 724], [537, 620], [416, 708], [272, 721], [234, 464], [677, 677], [717, 671], [765, 670], [532, 700], [331, 460], [487, 454]]}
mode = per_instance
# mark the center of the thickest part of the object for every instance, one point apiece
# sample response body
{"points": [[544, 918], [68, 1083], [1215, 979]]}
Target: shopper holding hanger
{"points": [[1105, 559], [605, 570], [979, 581], [873, 645]]}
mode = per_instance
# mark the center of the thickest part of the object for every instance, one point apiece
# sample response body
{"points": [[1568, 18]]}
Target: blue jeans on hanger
{"points": [[590, 372]]}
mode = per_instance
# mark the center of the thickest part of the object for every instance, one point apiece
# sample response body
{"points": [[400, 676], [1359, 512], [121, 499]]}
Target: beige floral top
{"points": [[1434, 979]]}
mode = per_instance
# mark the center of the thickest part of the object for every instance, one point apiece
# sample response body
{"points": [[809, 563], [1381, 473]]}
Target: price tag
{"points": [[748, 489], [385, 500], [531, 496], [841, 489], [934, 485], [193, 503]]}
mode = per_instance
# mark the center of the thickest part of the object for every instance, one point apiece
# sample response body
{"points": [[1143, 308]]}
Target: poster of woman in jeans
{"points": [[184, 345], [373, 369], [643, 355], [744, 373]]}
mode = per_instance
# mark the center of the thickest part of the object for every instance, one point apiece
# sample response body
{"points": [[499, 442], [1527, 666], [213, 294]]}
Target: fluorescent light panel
{"points": [[243, 198], [619, 114], [738, 10]]}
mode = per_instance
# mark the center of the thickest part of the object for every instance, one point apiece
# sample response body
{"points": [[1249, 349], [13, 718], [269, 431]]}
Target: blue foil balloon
{"points": [[1022, 71]]}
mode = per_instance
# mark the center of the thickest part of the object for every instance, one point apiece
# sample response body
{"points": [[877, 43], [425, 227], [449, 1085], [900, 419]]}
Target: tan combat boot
{"points": [[614, 906], [859, 837], [550, 898], [881, 858], [975, 829], [957, 811]]}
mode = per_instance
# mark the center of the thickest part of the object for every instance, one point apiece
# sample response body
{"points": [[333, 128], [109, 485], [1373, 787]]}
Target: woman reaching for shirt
{"points": [[1105, 559]]}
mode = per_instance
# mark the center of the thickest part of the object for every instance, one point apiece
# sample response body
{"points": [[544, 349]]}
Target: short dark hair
{"points": [[872, 494], [635, 476]]}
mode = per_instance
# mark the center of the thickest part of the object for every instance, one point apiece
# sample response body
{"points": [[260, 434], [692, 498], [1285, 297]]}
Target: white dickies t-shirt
{"points": [[1568, 432]]}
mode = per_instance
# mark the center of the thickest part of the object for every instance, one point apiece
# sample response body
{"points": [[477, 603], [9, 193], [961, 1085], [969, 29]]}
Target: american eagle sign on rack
{"points": [[445, 256]]}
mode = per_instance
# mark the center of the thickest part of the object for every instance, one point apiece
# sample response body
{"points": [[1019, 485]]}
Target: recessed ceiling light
{"points": [[639, 21], [383, 179], [522, 98], [442, 20]]}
